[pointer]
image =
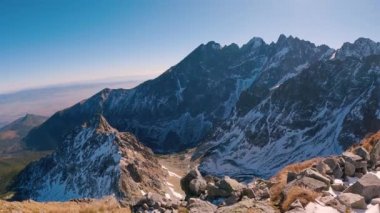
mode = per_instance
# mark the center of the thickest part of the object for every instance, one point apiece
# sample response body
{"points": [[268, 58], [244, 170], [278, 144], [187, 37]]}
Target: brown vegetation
{"points": [[104, 205], [280, 179], [303, 194], [368, 142]]}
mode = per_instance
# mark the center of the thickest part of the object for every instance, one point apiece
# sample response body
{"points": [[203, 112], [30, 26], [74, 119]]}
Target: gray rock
{"points": [[234, 198], [313, 174], [214, 191], [335, 203], [200, 206], [193, 184], [368, 186], [250, 193], [353, 200], [228, 184], [249, 206], [351, 157], [312, 183], [323, 168], [334, 164], [360, 151], [338, 187], [375, 201], [197, 186], [349, 169]]}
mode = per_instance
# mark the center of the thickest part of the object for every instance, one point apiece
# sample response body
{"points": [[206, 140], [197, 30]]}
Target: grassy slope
{"points": [[108, 204]]}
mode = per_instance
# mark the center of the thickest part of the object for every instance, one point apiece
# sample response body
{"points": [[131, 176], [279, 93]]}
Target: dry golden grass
{"points": [[368, 142], [103, 205], [280, 178], [303, 194]]}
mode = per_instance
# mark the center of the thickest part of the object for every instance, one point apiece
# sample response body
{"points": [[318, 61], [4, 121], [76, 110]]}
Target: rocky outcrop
{"points": [[368, 186], [94, 161]]}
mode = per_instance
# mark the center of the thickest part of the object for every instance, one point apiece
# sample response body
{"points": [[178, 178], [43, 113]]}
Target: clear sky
{"points": [[45, 42]]}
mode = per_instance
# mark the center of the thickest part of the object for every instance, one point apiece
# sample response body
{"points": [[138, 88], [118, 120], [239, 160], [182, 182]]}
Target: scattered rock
{"points": [[363, 153], [338, 187], [375, 201], [351, 157], [335, 203], [349, 169], [368, 186], [213, 191], [323, 168], [353, 200], [200, 206], [313, 174], [228, 184], [250, 193], [249, 206], [311, 183]]}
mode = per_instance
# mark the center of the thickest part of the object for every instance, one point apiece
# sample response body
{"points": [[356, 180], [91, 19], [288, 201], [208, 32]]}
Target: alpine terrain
{"points": [[94, 161], [250, 110]]}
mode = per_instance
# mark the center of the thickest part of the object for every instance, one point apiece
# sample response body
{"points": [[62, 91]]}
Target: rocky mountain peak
{"points": [[95, 160], [99, 123], [361, 48], [255, 42]]}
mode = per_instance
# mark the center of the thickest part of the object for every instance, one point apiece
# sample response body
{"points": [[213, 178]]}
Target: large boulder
{"points": [[354, 159], [230, 185], [311, 183], [193, 184], [196, 205], [368, 186], [249, 205], [313, 174], [354, 201], [213, 191], [330, 166], [363, 153], [197, 186]]}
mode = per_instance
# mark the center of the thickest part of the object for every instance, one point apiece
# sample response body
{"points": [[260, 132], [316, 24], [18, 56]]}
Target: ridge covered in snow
{"points": [[94, 161]]}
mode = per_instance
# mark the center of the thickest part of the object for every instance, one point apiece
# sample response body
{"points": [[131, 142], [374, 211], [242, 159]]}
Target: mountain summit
{"points": [[94, 161]]}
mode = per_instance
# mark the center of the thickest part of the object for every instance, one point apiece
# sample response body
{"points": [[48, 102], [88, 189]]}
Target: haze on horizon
{"points": [[54, 42]]}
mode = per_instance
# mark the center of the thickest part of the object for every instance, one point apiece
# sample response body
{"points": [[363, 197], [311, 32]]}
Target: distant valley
{"points": [[48, 100]]}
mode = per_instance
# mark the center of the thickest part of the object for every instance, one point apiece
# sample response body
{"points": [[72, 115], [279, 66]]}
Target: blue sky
{"points": [[44, 42]]}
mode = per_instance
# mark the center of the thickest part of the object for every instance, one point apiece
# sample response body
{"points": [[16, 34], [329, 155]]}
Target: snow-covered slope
{"points": [[322, 110], [181, 107], [94, 161]]}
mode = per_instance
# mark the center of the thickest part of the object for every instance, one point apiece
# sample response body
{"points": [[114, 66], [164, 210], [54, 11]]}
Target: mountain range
{"points": [[248, 111]]}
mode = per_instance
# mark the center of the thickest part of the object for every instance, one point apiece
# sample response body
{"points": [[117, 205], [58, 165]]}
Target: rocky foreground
{"points": [[349, 182]]}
